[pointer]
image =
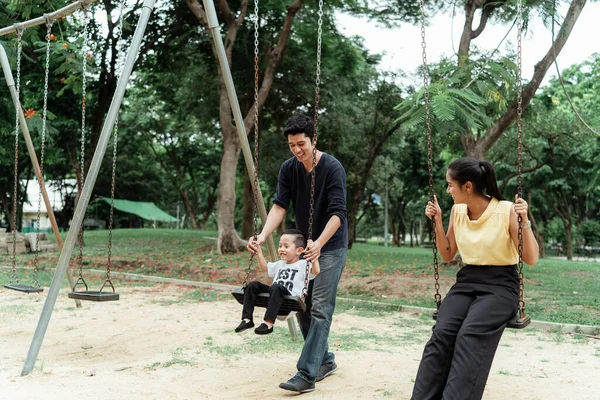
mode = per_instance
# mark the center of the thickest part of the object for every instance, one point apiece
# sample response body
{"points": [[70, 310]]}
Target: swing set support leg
{"points": [[80, 209], [34, 160]]}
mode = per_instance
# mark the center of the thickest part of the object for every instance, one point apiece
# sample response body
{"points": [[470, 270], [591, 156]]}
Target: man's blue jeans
{"points": [[315, 323]]}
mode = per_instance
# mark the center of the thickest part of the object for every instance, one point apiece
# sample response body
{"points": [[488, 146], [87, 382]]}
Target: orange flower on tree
{"points": [[29, 113], [63, 79]]}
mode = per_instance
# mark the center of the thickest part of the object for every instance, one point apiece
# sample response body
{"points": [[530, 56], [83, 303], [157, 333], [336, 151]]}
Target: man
{"points": [[330, 243]]}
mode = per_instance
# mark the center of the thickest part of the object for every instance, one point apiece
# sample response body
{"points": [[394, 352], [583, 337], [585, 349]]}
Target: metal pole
{"points": [[213, 26], [31, 150], [84, 199], [62, 12]]}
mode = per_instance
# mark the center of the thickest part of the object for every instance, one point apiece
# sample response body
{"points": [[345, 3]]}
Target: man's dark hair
{"points": [[299, 238], [299, 123]]}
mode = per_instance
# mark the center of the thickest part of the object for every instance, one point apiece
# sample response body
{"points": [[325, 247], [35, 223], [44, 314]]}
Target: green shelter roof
{"points": [[143, 209]]}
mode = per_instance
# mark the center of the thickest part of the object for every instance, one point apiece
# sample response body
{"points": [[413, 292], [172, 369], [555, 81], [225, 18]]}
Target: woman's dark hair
{"points": [[299, 123], [480, 173], [299, 238]]}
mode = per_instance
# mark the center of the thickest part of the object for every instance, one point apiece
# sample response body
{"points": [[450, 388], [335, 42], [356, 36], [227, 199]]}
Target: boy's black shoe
{"points": [[244, 325], [263, 329], [325, 370], [298, 384]]}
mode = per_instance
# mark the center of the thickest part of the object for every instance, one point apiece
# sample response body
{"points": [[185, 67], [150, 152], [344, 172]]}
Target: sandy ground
{"points": [[153, 345]]}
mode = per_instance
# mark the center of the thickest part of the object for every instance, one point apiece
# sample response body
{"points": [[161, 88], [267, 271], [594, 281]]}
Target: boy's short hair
{"points": [[299, 123], [299, 238]]}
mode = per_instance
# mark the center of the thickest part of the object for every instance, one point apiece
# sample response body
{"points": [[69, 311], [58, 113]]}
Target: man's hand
{"points": [[313, 250]]}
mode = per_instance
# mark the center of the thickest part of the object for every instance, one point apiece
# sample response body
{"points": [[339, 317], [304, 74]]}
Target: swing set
{"points": [[85, 186], [35, 286], [520, 320]]}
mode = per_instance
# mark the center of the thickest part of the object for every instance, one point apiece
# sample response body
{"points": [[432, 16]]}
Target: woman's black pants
{"points": [[457, 359]]}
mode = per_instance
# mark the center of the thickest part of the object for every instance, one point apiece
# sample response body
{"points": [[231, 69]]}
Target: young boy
{"points": [[288, 273]]}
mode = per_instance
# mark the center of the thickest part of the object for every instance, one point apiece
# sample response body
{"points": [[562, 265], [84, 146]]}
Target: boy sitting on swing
{"points": [[288, 279]]}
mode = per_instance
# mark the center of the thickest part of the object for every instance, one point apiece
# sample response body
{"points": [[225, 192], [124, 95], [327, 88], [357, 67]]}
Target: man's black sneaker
{"points": [[325, 370], [263, 329], [244, 325], [298, 384]]}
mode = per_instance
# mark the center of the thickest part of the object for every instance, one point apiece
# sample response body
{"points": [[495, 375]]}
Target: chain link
{"points": [[13, 277], [84, 50], [520, 151], [315, 136], [42, 151], [436, 274], [256, 137], [109, 260]]}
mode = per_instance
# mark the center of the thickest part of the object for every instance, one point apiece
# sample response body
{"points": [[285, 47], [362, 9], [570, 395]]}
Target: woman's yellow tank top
{"points": [[486, 241]]}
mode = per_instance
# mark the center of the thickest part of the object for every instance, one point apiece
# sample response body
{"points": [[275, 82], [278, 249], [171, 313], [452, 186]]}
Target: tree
{"points": [[482, 93], [368, 120], [228, 240]]}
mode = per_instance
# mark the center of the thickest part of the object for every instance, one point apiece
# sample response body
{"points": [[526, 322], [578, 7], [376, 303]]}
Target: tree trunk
{"points": [[189, 208], [228, 241], [569, 236], [536, 232], [210, 206], [412, 223], [248, 210], [356, 200]]}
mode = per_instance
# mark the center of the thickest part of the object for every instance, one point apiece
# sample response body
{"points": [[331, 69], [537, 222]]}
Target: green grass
{"points": [[195, 296], [276, 343], [555, 290], [176, 358]]}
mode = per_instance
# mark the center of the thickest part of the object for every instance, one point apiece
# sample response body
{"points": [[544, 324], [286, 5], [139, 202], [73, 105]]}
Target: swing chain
{"points": [[109, 258], [42, 149], [521, 307], [14, 278], [436, 274], [313, 173], [255, 187], [83, 115]]}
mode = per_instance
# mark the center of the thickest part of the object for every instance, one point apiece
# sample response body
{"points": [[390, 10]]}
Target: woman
{"points": [[483, 228]]}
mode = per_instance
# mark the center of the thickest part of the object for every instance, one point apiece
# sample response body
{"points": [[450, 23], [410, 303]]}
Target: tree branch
{"points": [[228, 16], [275, 58], [512, 175], [502, 123], [198, 12], [485, 15]]}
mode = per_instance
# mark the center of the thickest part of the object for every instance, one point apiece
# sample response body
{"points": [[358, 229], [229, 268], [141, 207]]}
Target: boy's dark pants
{"points": [[457, 359], [276, 293]]}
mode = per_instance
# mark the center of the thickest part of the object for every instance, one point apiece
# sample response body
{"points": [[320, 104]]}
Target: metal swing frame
{"points": [[520, 320], [94, 169]]}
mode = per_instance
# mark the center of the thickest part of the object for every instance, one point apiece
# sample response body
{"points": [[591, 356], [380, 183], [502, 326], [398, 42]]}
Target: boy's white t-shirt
{"points": [[290, 276]]}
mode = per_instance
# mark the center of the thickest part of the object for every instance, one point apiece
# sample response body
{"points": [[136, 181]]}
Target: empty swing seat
{"points": [[24, 288], [92, 295], [289, 304]]}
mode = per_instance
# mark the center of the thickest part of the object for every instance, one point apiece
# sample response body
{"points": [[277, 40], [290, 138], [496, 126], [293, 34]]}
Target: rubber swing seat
{"points": [[24, 288], [289, 304]]}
